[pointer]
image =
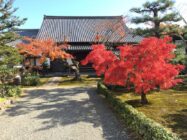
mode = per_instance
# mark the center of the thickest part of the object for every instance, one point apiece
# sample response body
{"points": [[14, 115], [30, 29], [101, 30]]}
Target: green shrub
{"points": [[30, 80], [137, 121], [9, 91]]}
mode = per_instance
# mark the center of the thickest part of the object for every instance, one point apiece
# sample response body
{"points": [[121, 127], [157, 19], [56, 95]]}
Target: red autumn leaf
{"points": [[100, 58]]}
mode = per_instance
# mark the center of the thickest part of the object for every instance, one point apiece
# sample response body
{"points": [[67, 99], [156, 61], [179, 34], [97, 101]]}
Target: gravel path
{"points": [[56, 113]]}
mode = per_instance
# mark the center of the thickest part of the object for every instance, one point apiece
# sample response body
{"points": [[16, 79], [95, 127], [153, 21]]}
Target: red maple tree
{"points": [[100, 58], [146, 66], [42, 49]]}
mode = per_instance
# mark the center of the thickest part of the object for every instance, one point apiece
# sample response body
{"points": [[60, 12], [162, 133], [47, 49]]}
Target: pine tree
{"points": [[155, 13], [8, 21], [9, 56]]}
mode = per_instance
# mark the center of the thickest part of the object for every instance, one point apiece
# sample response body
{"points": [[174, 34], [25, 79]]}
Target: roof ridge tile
{"points": [[81, 17]]}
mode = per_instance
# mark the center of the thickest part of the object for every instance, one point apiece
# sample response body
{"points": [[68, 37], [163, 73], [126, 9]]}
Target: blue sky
{"points": [[34, 10]]}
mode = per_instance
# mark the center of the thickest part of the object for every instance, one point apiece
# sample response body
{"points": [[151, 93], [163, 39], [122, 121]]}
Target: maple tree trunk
{"points": [[144, 99], [75, 68]]}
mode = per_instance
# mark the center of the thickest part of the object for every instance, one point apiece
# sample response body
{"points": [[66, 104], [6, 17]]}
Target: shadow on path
{"points": [[58, 107]]}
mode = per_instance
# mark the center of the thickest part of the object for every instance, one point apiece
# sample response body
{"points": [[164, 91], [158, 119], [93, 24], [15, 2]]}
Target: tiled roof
{"points": [[85, 29], [82, 48], [32, 33], [27, 32]]}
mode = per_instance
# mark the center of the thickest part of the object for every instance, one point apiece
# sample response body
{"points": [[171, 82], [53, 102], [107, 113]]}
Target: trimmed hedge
{"points": [[137, 121]]}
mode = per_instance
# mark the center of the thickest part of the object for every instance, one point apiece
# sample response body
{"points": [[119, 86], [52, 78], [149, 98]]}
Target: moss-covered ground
{"points": [[168, 107]]}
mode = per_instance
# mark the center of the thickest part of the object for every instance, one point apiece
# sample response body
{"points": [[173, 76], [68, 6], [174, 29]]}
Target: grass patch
{"points": [[2, 99], [43, 80], [168, 107], [85, 81]]}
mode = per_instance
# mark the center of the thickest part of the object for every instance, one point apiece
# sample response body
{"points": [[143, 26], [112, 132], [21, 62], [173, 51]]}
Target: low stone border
{"points": [[137, 121]]}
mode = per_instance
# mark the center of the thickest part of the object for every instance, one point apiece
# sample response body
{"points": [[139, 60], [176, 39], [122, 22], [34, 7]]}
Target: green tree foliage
{"points": [[177, 32], [9, 56], [155, 13], [180, 58], [8, 21]]}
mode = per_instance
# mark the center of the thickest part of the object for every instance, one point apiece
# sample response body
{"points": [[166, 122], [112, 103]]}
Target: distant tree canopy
{"points": [[8, 21], [155, 14]]}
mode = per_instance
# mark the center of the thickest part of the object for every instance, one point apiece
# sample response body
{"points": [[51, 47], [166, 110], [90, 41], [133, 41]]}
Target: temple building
{"points": [[81, 32]]}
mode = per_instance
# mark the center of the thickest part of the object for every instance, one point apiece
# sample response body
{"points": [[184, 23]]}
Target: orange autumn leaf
{"points": [[42, 49]]}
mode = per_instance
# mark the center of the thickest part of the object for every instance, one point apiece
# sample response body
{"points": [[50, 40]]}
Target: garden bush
{"points": [[137, 121], [9, 91], [30, 79]]}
